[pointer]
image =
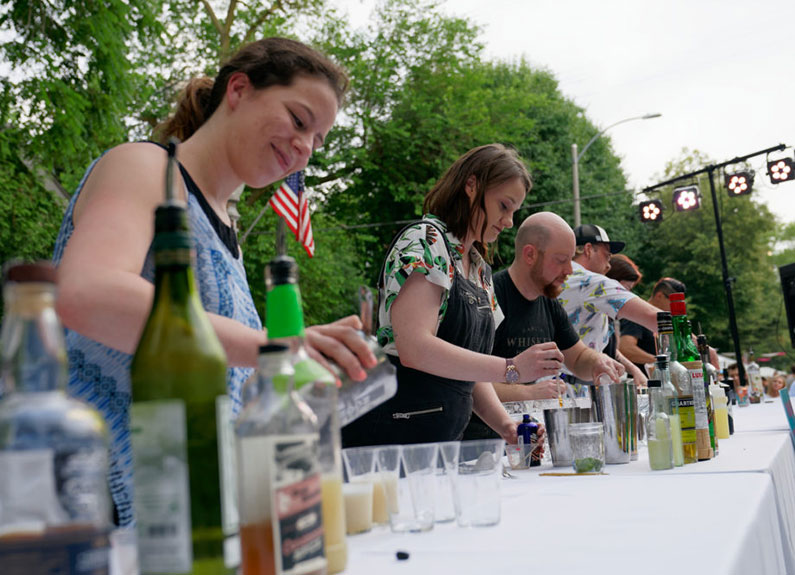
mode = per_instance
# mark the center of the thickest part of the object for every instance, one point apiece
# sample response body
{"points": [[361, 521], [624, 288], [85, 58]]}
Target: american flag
{"points": [[289, 202]]}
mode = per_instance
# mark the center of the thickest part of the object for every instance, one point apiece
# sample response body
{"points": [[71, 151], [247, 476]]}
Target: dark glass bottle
{"points": [[180, 418]]}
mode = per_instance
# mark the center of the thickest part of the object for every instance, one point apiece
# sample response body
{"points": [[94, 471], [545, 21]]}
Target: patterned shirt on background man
{"points": [[421, 249], [589, 299]]}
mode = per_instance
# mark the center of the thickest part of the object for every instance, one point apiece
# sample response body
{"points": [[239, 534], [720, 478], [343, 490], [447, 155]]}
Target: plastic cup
{"points": [[444, 503], [410, 498], [477, 484], [358, 490]]}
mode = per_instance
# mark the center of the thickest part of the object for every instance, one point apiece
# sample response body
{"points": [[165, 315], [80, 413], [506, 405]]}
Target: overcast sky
{"points": [[719, 72]]}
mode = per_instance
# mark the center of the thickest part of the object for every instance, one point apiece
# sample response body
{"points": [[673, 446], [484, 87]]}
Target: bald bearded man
{"points": [[526, 292]]}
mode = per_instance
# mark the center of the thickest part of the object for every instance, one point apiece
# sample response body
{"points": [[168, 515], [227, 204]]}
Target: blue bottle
{"points": [[527, 433]]}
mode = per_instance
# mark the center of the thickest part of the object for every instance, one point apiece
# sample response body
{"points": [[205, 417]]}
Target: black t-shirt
{"points": [[528, 323], [644, 336]]}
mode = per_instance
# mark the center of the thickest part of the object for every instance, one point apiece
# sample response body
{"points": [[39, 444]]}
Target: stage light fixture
{"points": [[686, 198], [651, 211], [740, 183], [781, 170]]}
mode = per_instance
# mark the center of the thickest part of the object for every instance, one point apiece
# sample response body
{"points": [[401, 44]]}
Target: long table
{"points": [[734, 514]]}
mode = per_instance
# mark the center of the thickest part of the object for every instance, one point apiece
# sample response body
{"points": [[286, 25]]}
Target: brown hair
{"points": [[668, 286], [267, 62], [492, 165], [624, 269]]}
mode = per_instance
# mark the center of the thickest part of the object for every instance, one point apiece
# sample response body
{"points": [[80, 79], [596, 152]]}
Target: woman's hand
{"points": [[542, 359], [341, 342]]}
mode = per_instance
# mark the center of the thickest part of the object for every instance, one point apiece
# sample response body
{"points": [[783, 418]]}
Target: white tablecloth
{"points": [[734, 514], [605, 524]]}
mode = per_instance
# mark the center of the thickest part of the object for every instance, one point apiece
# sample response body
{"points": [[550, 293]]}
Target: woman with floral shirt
{"points": [[437, 311]]}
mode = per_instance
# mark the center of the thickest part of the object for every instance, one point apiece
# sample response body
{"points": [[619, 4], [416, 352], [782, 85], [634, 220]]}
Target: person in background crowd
{"points": [[624, 271], [534, 319], [638, 343], [437, 310], [270, 106], [775, 384], [590, 298]]}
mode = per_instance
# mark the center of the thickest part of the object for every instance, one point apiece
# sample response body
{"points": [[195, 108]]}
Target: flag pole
{"points": [[255, 222], [281, 243]]}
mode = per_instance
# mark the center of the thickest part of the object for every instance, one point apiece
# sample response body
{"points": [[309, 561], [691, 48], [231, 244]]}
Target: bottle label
{"points": [[158, 435], [694, 369], [58, 486], [281, 498], [227, 464], [687, 417]]}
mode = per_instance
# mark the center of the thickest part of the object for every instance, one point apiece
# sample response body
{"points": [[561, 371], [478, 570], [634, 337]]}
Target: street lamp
{"points": [[576, 160]]}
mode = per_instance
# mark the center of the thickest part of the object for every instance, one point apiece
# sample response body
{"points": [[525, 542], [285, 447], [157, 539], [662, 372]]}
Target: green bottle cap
{"points": [[309, 371], [284, 315]]}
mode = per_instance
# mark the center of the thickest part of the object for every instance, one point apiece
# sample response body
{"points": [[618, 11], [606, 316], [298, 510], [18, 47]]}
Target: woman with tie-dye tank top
{"points": [[268, 109]]}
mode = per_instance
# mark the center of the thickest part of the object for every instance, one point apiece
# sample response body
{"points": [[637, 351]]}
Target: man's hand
{"points": [[507, 430], [341, 342], [606, 365], [540, 360], [637, 375]]}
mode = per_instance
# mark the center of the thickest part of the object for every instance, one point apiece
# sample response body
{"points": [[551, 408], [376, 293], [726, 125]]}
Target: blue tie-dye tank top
{"points": [[101, 375]]}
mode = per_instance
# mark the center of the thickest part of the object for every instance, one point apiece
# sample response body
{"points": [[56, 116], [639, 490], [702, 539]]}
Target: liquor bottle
{"points": [[687, 354], [680, 378], [54, 500], [710, 378], [731, 397], [755, 388], [180, 418], [284, 319], [527, 438], [658, 428], [662, 373], [279, 481]]}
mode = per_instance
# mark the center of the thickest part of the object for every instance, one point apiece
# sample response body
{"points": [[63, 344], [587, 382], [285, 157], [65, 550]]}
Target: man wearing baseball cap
{"points": [[590, 298]]}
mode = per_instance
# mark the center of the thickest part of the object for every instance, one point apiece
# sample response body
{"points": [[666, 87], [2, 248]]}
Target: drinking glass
{"points": [[477, 484]]}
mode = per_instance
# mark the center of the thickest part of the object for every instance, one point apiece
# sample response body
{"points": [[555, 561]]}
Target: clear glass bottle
{"points": [[279, 476], [284, 318], [180, 418], [756, 391], [54, 499], [669, 393], [658, 425], [687, 354], [680, 378]]}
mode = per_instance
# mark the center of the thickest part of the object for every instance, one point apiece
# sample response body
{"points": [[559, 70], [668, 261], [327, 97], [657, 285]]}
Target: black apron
{"points": [[429, 407]]}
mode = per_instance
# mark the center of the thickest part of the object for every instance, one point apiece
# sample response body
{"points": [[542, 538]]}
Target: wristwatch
{"points": [[511, 373]]}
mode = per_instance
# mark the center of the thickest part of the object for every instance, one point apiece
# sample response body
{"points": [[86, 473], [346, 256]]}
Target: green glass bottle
{"points": [[180, 419], [284, 319], [687, 354], [680, 378]]}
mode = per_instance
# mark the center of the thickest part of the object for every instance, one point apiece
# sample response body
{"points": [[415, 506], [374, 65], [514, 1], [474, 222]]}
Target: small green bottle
{"points": [[180, 419]]}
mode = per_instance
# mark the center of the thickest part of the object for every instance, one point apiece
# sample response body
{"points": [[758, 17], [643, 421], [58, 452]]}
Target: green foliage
{"points": [[329, 281]]}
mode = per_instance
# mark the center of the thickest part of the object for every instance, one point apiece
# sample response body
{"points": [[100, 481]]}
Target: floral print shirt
{"points": [[589, 299], [421, 249]]}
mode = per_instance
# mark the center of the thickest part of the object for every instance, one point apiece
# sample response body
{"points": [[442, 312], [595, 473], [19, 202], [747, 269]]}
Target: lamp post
{"points": [[575, 160]]}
